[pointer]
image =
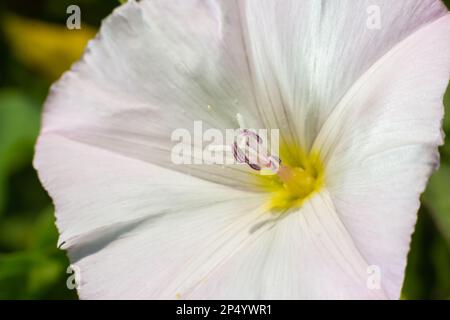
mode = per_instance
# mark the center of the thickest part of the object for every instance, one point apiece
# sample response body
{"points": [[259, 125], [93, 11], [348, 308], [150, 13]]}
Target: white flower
{"points": [[360, 108]]}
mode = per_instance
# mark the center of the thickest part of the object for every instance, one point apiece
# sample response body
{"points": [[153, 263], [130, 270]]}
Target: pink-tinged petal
{"points": [[157, 66], [380, 146], [305, 55]]}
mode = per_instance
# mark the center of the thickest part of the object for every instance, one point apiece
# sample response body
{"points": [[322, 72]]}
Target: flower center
{"points": [[294, 183], [290, 179]]}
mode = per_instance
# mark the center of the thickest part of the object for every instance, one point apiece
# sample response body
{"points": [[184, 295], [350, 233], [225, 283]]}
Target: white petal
{"points": [[380, 146], [156, 66], [229, 250], [305, 55], [136, 231], [97, 192], [164, 257], [152, 70], [307, 254]]}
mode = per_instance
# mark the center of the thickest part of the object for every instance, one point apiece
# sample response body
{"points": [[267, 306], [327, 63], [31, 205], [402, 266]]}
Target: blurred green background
{"points": [[35, 48]]}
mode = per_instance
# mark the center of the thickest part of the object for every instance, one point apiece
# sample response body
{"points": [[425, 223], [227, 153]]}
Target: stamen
{"points": [[249, 148], [292, 182], [241, 121], [298, 182]]}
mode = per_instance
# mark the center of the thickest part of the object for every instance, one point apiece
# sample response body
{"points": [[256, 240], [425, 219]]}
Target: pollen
{"points": [[296, 183], [300, 175]]}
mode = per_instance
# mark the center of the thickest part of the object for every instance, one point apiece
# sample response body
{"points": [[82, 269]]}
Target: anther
{"points": [[249, 148]]}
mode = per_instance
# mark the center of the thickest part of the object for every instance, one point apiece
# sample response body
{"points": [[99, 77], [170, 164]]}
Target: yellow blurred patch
{"points": [[45, 47], [305, 178]]}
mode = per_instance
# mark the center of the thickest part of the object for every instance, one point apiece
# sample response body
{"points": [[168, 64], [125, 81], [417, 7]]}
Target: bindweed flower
{"points": [[358, 109]]}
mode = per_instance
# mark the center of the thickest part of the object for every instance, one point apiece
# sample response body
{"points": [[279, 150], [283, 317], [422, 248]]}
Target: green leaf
{"points": [[25, 231], [427, 275], [19, 126], [437, 200], [16, 264], [16, 231], [445, 150], [447, 109], [45, 234], [39, 269], [43, 276], [26, 274], [14, 268]]}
